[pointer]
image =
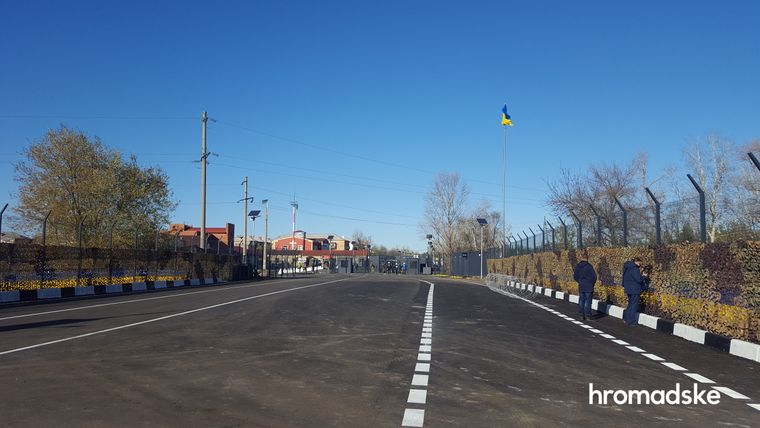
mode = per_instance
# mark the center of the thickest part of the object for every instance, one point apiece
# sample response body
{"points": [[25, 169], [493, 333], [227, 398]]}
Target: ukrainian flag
{"points": [[506, 119]]}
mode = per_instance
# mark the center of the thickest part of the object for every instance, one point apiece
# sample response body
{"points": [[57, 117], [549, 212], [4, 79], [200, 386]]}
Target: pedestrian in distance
{"points": [[633, 283], [585, 276]]}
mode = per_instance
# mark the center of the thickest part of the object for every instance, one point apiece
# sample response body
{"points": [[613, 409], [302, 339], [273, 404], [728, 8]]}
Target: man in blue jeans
{"points": [[634, 284], [585, 276]]}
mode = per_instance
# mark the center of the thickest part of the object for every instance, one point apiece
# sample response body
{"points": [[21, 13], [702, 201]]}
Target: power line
{"points": [[342, 153], [106, 117]]}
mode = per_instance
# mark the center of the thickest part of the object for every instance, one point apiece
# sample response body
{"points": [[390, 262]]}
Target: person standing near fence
{"points": [[633, 283], [585, 276]]}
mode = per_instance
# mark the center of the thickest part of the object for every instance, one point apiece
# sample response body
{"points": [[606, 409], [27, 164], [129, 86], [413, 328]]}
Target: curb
{"points": [[740, 348], [49, 294]]}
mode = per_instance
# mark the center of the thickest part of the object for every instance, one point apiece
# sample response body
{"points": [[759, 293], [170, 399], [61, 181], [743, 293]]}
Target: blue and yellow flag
{"points": [[506, 119]]}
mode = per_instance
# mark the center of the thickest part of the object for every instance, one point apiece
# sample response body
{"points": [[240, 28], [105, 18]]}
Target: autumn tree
{"points": [[78, 179]]}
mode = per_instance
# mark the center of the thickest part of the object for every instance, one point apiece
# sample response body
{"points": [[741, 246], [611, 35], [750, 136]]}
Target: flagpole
{"points": [[504, 185]]}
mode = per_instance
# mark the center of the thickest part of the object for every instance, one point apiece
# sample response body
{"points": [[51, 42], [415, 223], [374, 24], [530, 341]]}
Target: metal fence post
{"points": [[79, 261], [1, 219], [564, 231], [580, 229], [527, 243], [657, 224], [598, 226], [43, 262], [754, 160], [625, 221], [110, 255], [534, 238], [552, 229], [702, 210], [543, 237]]}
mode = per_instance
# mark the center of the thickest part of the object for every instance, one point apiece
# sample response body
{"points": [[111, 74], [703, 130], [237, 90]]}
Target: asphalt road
{"points": [[336, 350]]}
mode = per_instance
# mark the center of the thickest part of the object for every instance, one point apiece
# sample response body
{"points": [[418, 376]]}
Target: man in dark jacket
{"points": [[585, 276], [633, 283]]}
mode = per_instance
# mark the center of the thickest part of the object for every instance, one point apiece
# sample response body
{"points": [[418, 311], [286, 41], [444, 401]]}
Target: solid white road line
{"points": [[699, 378], [730, 392], [135, 324], [124, 302], [413, 418]]}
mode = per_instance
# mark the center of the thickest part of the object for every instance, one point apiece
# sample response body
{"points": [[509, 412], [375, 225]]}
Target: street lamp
{"points": [[253, 214], [482, 222], [329, 246], [265, 202]]}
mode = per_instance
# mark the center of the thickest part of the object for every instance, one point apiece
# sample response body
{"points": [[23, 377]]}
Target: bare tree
{"points": [[362, 240], [707, 158], [445, 207], [468, 230]]}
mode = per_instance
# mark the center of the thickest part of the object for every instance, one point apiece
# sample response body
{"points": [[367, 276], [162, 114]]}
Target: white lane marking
{"points": [[124, 302], [654, 357], [420, 380], [425, 348], [417, 396], [730, 392], [422, 367], [423, 356], [576, 322], [588, 327], [674, 366], [427, 335], [426, 341], [427, 325], [179, 314], [413, 418], [699, 378], [427, 329], [597, 331]]}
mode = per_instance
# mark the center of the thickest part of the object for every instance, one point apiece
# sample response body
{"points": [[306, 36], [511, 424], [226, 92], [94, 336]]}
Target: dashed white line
{"points": [[621, 342], [730, 392], [425, 348], [423, 356], [635, 348], [754, 406], [674, 366], [417, 396], [413, 418], [422, 367], [607, 336], [699, 378], [654, 357], [420, 380]]}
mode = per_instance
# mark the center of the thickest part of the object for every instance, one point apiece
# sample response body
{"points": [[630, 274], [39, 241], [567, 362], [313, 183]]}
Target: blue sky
{"points": [[354, 106]]}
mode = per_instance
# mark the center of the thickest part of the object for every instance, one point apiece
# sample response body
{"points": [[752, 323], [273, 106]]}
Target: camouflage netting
{"points": [[715, 287]]}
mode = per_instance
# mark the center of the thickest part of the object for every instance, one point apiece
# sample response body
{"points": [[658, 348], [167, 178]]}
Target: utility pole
{"points": [[204, 156], [245, 222], [265, 202]]}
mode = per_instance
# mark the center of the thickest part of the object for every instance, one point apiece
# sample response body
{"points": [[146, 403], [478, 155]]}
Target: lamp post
{"points": [[253, 214], [265, 202], [482, 222], [329, 245], [430, 252]]}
